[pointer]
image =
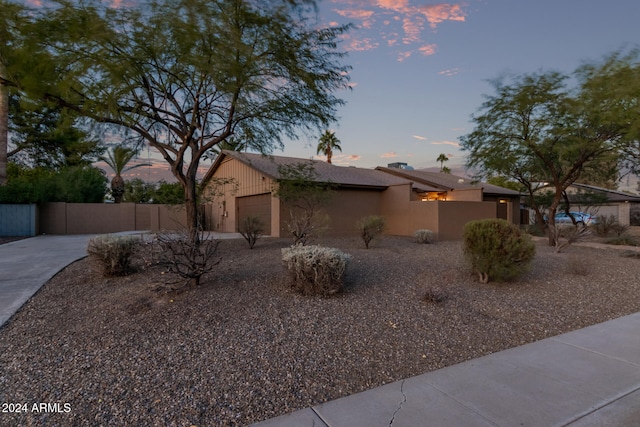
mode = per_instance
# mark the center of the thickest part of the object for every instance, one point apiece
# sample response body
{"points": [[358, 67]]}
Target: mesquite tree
{"points": [[538, 129], [185, 75]]}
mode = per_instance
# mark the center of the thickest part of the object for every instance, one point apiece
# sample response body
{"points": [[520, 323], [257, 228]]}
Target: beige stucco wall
{"points": [[344, 209], [99, 218], [246, 181], [470, 195]]}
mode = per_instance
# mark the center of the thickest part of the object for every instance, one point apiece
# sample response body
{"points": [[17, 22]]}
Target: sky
{"points": [[420, 68]]}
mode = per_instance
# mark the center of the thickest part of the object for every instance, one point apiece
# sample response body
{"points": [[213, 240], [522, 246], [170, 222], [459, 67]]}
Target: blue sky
{"points": [[420, 68]]}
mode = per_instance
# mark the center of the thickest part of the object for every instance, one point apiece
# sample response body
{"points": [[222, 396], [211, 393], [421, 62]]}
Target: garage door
{"points": [[258, 206]]}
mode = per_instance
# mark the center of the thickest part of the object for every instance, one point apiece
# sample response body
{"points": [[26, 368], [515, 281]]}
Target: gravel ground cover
{"points": [[243, 347]]}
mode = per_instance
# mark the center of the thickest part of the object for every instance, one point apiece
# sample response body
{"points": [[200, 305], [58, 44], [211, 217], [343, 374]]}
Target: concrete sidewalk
{"points": [[589, 377]]}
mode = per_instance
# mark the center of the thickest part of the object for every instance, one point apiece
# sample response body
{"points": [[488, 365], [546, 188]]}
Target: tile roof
{"points": [[446, 181], [342, 175]]}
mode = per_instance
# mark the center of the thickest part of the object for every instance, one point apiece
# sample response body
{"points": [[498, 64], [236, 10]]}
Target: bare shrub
{"points": [[435, 295], [619, 229], [185, 257], [307, 224], [370, 227], [315, 270], [569, 234], [299, 187], [113, 254], [623, 240], [423, 236], [497, 249], [630, 254], [251, 229], [605, 224], [578, 265]]}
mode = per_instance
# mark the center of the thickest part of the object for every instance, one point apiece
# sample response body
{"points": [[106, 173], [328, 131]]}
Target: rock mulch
{"points": [[243, 347]]}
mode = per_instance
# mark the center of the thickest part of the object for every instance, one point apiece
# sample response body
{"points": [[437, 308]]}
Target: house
{"points": [[602, 201], [408, 202]]}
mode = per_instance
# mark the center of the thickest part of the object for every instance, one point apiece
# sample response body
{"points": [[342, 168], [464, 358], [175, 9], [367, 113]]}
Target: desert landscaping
{"points": [[243, 347]]}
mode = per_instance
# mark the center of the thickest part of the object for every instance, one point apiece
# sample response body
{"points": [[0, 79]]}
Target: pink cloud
{"points": [[346, 159], [421, 138], [395, 5], [452, 143], [355, 13], [438, 13], [404, 55], [389, 155], [412, 28], [428, 49], [450, 72], [358, 45], [34, 3], [406, 21]]}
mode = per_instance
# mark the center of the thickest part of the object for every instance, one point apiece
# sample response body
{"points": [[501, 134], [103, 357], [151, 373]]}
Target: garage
{"points": [[258, 206]]}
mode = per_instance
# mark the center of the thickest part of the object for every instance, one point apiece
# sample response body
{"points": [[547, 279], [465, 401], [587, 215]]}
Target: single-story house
{"points": [[603, 201], [406, 201]]}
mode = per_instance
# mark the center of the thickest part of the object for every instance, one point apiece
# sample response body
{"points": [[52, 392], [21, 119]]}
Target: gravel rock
{"points": [[243, 347]]}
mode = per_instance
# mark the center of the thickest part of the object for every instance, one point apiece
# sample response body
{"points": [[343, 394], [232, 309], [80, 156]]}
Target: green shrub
{"points": [[497, 249], [423, 236], [113, 254], [315, 270], [251, 229], [370, 227]]}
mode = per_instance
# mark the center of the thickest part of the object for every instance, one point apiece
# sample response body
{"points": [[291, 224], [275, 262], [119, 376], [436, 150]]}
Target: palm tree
{"points": [[327, 143], [443, 158], [117, 160]]}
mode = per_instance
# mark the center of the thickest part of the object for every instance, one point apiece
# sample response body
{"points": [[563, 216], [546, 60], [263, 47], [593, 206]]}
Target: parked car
{"points": [[582, 218]]}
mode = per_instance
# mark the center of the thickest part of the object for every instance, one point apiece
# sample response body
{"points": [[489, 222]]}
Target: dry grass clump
{"points": [[315, 270], [112, 254], [423, 236], [577, 265]]}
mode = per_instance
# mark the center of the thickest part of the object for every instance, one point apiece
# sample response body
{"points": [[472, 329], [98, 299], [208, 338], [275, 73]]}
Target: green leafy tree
{"points": [[118, 159], [4, 122], [216, 69], [327, 144], [168, 193], [536, 129], [47, 135], [137, 190], [504, 182], [71, 184], [80, 184]]}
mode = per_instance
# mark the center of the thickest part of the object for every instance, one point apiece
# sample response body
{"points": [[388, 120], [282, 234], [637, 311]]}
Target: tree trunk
{"points": [[191, 206], [117, 188], [4, 127], [551, 219]]}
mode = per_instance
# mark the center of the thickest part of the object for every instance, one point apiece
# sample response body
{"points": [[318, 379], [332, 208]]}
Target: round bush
{"points": [[497, 249], [315, 270], [423, 236]]}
